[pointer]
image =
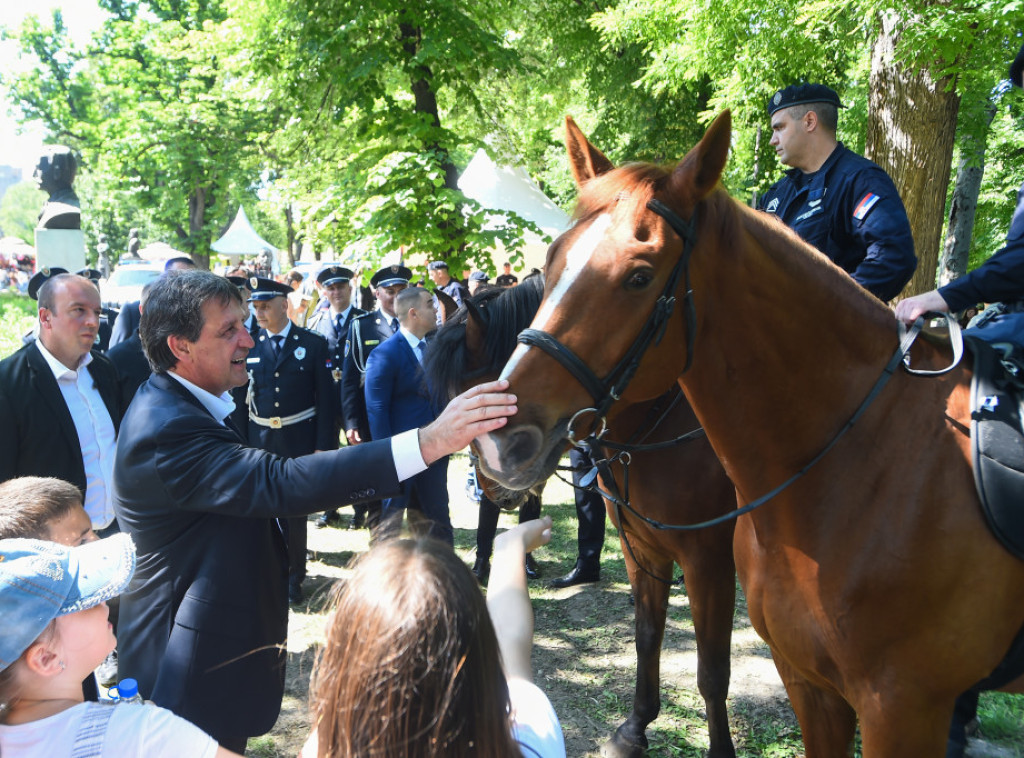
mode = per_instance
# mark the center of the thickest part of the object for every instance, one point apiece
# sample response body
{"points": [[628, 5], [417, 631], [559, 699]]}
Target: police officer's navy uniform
{"points": [[290, 399], [1000, 279], [850, 210]]}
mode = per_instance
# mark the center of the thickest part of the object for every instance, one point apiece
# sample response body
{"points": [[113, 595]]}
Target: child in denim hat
{"points": [[53, 632]]}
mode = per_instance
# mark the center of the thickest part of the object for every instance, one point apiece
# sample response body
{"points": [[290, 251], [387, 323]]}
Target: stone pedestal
{"points": [[60, 247]]}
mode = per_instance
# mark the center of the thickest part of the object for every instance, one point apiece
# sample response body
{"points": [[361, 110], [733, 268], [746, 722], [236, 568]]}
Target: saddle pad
{"points": [[998, 444]]}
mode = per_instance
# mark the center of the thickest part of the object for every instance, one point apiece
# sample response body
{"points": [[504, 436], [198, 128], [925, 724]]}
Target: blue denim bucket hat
{"points": [[40, 581]]}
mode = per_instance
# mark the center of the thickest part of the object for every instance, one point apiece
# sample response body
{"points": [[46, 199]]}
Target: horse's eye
{"points": [[639, 279]]}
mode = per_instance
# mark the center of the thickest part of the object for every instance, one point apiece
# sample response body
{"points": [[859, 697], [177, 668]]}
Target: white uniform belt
{"points": [[277, 422]]}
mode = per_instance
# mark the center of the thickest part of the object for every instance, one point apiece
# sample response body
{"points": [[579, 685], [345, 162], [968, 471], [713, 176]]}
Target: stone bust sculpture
{"points": [[54, 174]]}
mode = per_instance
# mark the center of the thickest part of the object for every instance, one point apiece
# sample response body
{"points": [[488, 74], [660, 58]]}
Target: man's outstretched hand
{"points": [[476, 411]]}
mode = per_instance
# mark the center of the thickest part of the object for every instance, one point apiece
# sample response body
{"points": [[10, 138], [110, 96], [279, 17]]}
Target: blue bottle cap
{"points": [[127, 688]]}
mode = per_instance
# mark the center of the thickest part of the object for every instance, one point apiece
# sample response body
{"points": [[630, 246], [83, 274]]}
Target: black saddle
{"points": [[997, 438]]}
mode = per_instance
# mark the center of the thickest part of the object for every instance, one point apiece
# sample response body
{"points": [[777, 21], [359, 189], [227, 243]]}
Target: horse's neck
{"points": [[786, 348]]}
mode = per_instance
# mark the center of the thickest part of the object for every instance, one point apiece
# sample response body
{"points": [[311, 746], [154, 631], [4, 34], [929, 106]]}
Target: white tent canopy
{"points": [[502, 188], [242, 239]]}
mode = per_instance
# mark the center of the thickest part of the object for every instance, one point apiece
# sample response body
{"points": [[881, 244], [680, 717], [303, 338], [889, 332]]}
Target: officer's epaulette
{"points": [[315, 333], [364, 314]]}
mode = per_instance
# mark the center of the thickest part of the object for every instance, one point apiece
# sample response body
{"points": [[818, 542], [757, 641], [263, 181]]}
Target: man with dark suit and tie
{"points": [[204, 620], [398, 399], [290, 400], [60, 404], [365, 333], [333, 322]]}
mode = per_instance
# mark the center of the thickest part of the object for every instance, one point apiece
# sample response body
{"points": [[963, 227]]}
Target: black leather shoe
{"points": [[358, 521], [326, 518], [482, 570], [580, 574], [532, 569]]}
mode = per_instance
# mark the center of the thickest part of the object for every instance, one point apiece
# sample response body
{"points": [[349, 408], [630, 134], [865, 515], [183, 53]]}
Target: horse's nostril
{"points": [[522, 445]]}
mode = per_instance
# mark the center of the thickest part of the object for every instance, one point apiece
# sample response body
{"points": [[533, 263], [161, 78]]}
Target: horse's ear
{"points": [[698, 173], [586, 160], [448, 305], [476, 329]]}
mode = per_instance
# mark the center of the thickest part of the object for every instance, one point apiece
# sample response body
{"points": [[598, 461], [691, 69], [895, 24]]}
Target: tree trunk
{"points": [[289, 225], [196, 217], [964, 205], [426, 103], [911, 126]]}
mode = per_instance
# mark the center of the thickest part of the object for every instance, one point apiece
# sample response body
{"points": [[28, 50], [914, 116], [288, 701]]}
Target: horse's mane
{"points": [[627, 190], [449, 364]]}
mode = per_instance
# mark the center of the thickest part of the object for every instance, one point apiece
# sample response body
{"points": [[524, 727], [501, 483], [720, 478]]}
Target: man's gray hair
{"points": [[174, 308]]}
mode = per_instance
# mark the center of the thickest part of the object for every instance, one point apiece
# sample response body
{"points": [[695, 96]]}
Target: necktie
{"points": [[277, 339], [339, 328], [420, 347], [394, 324]]}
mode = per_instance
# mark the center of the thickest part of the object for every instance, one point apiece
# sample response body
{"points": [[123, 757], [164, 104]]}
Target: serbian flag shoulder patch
{"points": [[865, 205]]}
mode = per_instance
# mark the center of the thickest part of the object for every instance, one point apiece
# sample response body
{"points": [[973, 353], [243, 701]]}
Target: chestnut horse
{"points": [[475, 344], [872, 576]]}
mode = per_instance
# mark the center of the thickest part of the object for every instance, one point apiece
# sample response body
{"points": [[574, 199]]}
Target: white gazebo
{"points": [[503, 188], [242, 240]]}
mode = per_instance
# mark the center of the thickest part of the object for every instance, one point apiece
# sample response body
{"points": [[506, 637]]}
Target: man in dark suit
{"points": [[333, 322], [290, 400], [130, 362], [366, 332], [59, 398], [397, 399], [127, 322], [204, 620]]}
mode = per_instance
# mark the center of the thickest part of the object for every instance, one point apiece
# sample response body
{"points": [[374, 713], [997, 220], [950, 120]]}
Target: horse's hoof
{"points": [[618, 747]]}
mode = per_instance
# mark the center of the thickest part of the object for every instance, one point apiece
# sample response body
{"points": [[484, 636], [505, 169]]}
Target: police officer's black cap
{"points": [[40, 277], [478, 276], [267, 289], [1017, 68], [801, 94], [238, 281], [334, 275], [433, 265], [91, 274], [390, 276]]}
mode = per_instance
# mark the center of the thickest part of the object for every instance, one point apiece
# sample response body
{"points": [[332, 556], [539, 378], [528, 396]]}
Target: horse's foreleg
{"points": [[651, 606], [711, 586], [827, 721], [909, 723]]}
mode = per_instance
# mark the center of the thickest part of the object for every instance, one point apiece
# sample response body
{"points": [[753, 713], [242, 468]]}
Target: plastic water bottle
{"points": [[128, 692]]}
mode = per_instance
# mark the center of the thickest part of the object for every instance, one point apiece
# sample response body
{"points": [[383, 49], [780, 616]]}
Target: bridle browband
{"points": [[606, 391]]}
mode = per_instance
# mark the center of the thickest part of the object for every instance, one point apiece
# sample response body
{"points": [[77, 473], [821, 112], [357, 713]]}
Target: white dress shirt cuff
{"points": [[405, 449]]}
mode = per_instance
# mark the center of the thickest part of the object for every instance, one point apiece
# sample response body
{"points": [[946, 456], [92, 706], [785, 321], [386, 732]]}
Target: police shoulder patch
{"points": [[865, 205]]}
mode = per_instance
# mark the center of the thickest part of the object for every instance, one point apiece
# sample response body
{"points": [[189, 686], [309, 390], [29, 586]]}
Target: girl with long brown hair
{"points": [[413, 662]]}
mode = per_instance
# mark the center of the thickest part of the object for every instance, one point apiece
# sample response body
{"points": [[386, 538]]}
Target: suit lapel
{"points": [[43, 378]]}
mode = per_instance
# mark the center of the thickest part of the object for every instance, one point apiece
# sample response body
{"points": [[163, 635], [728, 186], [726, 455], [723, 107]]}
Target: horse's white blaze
{"points": [[489, 451], [575, 261]]}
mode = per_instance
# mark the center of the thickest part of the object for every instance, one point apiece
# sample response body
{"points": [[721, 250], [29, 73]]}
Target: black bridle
{"points": [[606, 391]]}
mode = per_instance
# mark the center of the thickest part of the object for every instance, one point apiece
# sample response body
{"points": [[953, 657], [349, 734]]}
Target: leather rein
{"points": [[606, 392]]}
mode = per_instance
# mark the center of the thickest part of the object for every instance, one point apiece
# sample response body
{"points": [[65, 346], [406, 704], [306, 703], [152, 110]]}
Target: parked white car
{"points": [[126, 282]]}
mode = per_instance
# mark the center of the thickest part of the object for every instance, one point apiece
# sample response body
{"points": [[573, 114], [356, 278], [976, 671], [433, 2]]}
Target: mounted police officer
{"points": [[365, 333], [842, 203], [999, 281], [290, 399]]}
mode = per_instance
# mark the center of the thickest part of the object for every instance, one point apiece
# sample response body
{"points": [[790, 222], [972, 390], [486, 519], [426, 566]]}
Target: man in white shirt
{"points": [[59, 400]]}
